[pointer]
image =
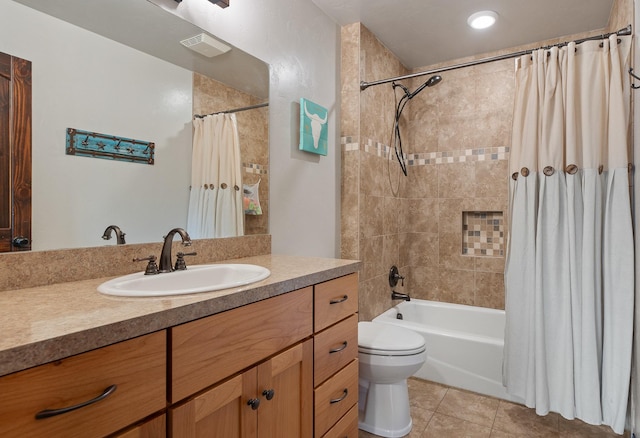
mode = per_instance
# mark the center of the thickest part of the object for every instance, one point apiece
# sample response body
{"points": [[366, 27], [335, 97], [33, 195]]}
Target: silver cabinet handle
{"points": [[53, 412], [340, 348], [337, 400], [339, 300]]}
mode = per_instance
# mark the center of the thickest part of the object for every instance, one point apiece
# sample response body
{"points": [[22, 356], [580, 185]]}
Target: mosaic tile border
{"points": [[258, 169], [446, 157]]}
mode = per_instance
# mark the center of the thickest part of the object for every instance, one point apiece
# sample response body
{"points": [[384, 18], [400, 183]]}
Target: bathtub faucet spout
{"points": [[399, 296]]}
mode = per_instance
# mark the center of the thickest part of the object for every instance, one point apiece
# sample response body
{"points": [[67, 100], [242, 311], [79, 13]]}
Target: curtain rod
{"points": [[244, 108], [364, 85]]}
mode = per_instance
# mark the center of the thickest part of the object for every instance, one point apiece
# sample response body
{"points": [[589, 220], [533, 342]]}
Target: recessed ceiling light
{"points": [[482, 19]]}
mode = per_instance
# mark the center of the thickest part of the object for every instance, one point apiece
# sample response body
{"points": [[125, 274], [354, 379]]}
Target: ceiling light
{"points": [[482, 19]]}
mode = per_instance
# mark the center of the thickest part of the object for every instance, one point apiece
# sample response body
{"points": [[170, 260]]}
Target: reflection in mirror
{"points": [[211, 97], [129, 77]]}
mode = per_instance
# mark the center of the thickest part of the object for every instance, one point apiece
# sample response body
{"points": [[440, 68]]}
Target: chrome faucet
{"points": [[118, 232], [165, 256], [399, 296]]}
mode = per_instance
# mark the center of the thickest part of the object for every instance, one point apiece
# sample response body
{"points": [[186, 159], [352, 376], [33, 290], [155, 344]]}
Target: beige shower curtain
{"points": [[215, 202], [569, 273]]}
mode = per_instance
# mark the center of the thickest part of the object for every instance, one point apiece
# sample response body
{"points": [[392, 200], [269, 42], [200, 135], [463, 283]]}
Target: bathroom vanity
{"points": [[275, 358]]}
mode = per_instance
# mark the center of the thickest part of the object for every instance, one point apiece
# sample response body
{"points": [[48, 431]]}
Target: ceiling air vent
{"points": [[205, 45]]}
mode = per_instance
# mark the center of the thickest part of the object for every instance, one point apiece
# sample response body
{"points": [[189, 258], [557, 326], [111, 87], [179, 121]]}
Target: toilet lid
{"points": [[387, 339]]}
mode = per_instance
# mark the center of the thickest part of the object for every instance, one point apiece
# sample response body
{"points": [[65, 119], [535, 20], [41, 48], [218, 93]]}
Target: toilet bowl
{"points": [[388, 355]]}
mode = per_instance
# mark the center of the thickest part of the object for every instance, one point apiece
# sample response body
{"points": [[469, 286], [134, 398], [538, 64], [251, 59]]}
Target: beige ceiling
{"points": [[426, 32]]}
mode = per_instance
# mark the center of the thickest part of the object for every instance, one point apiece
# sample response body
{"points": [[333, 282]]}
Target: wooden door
{"points": [[285, 384], [15, 154], [222, 411]]}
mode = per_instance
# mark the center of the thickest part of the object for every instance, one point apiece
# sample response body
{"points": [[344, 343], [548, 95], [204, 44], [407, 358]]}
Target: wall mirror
{"points": [[118, 68]]}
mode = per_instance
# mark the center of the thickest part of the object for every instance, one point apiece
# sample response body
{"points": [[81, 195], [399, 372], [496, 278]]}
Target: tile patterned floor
{"points": [[439, 411]]}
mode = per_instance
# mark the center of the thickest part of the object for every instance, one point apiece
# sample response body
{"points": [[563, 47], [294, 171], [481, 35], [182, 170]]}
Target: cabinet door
{"points": [[222, 411], [285, 385]]}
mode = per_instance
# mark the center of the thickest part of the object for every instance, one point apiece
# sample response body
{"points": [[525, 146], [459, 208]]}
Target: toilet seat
{"points": [[388, 340]]}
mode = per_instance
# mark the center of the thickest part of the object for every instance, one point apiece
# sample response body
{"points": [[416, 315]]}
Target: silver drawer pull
{"points": [[340, 348], [53, 412], [338, 400], [339, 300]]}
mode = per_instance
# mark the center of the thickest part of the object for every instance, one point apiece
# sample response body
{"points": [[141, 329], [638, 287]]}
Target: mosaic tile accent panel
{"points": [[456, 156], [483, 233]]}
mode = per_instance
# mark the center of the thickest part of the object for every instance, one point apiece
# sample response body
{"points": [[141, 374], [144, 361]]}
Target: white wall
{"points": [[87, 82], [301, 44]]}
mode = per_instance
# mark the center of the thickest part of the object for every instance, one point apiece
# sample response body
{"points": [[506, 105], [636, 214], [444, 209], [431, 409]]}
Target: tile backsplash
{"points": [[21, 270]]}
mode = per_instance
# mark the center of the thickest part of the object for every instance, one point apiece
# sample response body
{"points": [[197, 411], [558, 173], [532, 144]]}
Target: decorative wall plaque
{"points": [[109, 147]]}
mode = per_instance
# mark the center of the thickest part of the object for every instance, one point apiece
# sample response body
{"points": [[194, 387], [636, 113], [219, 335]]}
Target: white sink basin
{"points": [[197, 278]]}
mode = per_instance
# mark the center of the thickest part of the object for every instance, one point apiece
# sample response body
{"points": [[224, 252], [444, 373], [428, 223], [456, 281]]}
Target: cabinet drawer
{"points": [[335, 397], [211, 349], [335, 347], [335, 300], [136, 367], [347, 427]]}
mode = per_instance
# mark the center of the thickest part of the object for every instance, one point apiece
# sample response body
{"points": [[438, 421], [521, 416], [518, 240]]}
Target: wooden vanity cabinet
{"points": [[281, 367], [336, 357], [272, 399], [136, 367], [246, 372]]}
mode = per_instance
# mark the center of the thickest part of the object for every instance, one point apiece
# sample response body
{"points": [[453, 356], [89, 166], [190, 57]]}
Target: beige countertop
{"points": [[47, 323]]}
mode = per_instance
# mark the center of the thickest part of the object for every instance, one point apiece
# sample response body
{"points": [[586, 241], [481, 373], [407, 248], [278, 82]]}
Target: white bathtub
{"points": [[464, 343]]}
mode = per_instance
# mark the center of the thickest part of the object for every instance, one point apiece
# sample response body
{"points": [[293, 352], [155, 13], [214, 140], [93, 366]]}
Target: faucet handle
{"points": [[180, 263], [394, 276], [152, 266]]}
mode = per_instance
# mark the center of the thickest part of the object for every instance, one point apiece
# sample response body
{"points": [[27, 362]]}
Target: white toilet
{"points": [[388, 355]]}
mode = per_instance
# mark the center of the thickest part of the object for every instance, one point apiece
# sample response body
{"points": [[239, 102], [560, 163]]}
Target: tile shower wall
{"points": [[456, 136], [210, 96]]}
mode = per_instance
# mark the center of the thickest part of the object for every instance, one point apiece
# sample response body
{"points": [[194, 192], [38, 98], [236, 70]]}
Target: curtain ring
{"points": [[514, 176], [223, 185], [524, 171], [548, 170], [571, 169], [600, 169], [629, 167], [210, 186], [236, 188], [206, 186]]}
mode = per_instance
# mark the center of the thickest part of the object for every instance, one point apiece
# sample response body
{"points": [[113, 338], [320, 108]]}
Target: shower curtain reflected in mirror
{"points": [[569, 274], [215, 201]]}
